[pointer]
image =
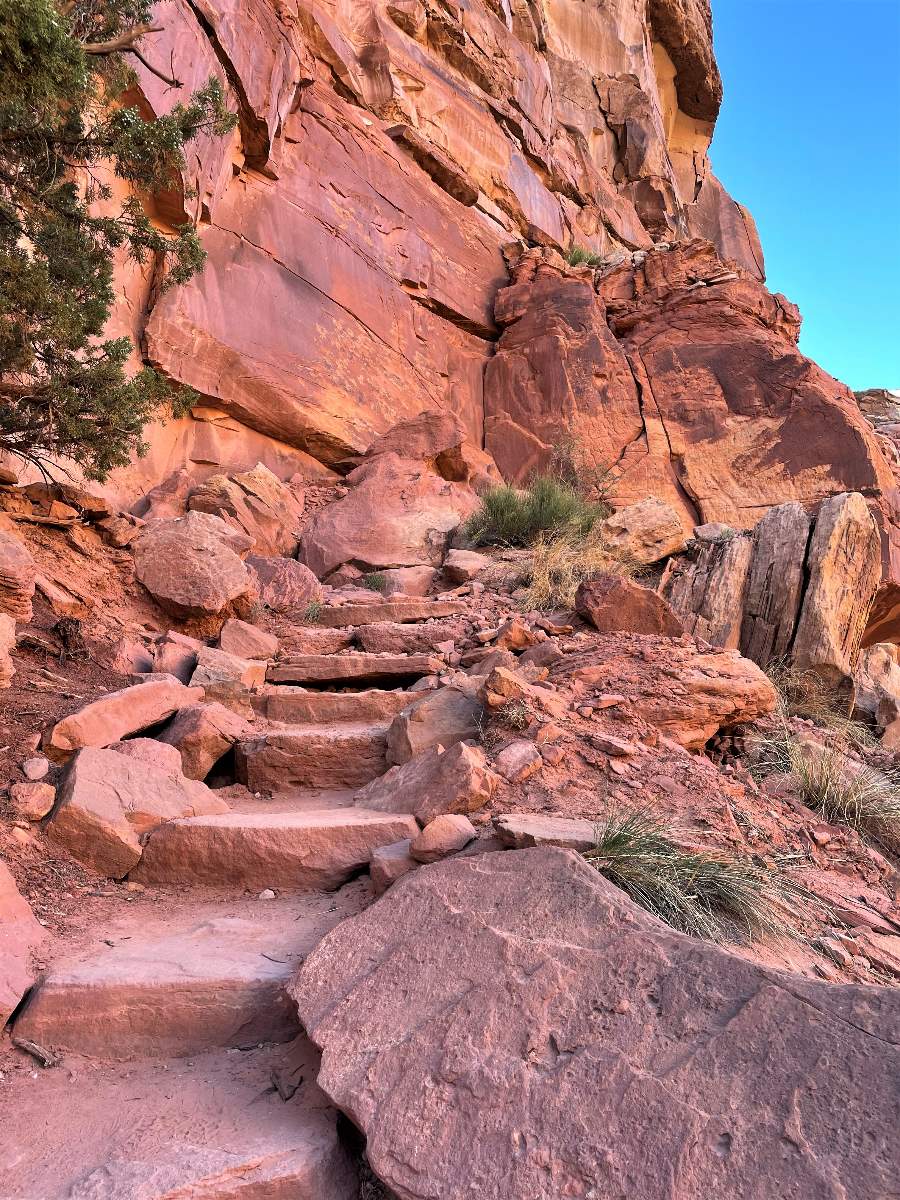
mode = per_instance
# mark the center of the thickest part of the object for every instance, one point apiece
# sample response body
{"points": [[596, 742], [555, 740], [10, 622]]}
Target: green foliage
{"points": [[578, 256], [508, 517], [708, 895], [312, 611], [375, 581], [66, 127]]}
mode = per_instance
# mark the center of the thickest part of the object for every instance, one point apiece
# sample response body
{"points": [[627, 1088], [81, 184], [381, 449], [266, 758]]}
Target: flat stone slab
{"points": [[297, 705], [325, 756], [212, 1127], [314, 850], [333, 616], [219, 983], [353, 668], [519, 830]]}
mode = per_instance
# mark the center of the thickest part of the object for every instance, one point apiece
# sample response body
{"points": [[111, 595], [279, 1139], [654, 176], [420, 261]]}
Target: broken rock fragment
{"points": [[109, 801], [456, 780], [118, 714]]}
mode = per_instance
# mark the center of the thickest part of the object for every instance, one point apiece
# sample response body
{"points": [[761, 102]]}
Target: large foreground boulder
{"points": [[511, 1026]]}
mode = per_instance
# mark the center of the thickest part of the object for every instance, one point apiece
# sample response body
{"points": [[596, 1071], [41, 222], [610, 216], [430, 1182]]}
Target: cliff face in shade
{"points": [[385, 153]]}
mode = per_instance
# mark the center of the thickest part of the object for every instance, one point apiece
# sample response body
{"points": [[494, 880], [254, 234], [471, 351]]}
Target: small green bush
{"points": [[578, 256], [312, 612], [508, 517], [375, 581], [715, 896]]}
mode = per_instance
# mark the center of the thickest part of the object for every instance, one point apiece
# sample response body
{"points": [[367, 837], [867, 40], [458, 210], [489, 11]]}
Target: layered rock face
{"points": [[384, 155]]}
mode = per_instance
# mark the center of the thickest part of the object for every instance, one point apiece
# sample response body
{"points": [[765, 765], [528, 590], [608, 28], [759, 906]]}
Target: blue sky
{"points": [[809, 139]]}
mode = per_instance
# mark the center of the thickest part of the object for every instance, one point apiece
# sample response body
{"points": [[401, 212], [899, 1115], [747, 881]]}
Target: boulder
{"points": [[17, 576], [149, 750], [201, 734], [445, 835], [613, 602], [844, 567], [645, 532], [247, 641], [877, 685], [439, 440], [397, 514], [390, 863], [21, 937], [457, 780], [687, 693], [192, 565], [775, 583], [706, 588], [228, 679], [461, 566], [609, 1055], [442, 717], [519, 830], [285, 585], [7, 644], [30, 800], [108, 802], [118, 714], [519, 760], [257, 503], [176, 654], [408, 581]]}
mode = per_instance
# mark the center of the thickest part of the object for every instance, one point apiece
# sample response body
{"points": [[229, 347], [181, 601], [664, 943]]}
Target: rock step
{"points": [[323, 756], [337, 616], [221, 1126], [299, 706], [218, 982], [354, 668], [312, 850]]}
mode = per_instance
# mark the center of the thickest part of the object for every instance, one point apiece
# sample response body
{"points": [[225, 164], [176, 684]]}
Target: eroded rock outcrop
{"points": [[679, 373], [602, 1047]]}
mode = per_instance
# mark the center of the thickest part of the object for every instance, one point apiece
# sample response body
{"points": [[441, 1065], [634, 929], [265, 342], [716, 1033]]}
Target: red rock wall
{"points": [[385, 153]]}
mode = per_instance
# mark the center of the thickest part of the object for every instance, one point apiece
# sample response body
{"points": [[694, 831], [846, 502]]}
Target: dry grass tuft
{"points": [[804, 693], [510, 517], [844, 790], [559, 564], [714, 896]]}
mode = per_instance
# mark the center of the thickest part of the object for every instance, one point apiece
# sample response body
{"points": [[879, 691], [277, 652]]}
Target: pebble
{"points": [[35, 768], [266, 894]]}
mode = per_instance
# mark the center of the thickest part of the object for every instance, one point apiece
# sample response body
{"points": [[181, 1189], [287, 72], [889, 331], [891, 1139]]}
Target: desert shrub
{"points": [[844, 790], [375, 581], [509, 517], [513, 714], [312, 611], [716, 896], [560, 563], [578, 256]]}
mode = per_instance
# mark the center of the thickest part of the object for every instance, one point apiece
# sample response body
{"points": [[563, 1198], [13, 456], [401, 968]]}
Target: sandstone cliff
{"points": [[385, 155]]}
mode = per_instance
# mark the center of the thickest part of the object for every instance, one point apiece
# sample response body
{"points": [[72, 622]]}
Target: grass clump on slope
{"points": [[715, 896], [548, 505]]}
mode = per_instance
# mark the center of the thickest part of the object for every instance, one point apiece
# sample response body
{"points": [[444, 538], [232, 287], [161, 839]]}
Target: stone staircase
{"points": [[187, 1011]]}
